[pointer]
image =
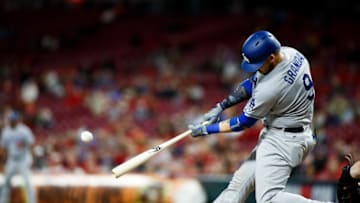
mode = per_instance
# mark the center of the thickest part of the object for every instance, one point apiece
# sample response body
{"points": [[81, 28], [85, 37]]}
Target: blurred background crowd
{"points": [[136, 73]]}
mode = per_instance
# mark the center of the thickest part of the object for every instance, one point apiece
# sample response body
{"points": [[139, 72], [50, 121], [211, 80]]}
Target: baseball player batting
{"points": [[17, 138], [280, 92]]}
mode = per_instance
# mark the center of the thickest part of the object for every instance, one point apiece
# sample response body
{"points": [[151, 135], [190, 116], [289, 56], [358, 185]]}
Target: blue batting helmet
{"points": [[256, 48]]}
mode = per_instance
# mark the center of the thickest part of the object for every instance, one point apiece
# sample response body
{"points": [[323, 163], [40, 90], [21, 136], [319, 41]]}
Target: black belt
{"points": [[290, 130]]}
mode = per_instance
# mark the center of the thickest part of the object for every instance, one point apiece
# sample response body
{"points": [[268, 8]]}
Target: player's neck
{"points": [[271, 65]]}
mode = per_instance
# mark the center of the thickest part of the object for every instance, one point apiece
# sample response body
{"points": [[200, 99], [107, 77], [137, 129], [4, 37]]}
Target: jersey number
{"points": [[308, 84]]}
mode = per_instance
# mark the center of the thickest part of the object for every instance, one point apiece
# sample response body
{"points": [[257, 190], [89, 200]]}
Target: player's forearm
{"points": [[237, 123], [242, 92]]}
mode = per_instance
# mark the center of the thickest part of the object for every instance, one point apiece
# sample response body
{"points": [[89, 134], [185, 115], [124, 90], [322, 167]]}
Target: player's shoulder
{"points": [[291, 52], [23, 127], [6, 128], [263, 84]]}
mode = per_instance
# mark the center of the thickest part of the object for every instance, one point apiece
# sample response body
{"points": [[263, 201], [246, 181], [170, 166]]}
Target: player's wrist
{"points": [[224, 104], [219, 107]]}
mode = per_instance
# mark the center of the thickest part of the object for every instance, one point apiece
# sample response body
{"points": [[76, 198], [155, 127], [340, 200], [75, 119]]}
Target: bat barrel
{"points": [[144, 156], [133, 163]]}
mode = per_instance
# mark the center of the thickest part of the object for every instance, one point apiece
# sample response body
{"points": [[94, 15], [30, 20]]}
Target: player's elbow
{"points": [[246, 121], [247, 85], [241, 122]]}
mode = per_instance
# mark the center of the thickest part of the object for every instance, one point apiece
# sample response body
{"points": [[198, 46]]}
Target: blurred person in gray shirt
{"points": [[17, 139]]}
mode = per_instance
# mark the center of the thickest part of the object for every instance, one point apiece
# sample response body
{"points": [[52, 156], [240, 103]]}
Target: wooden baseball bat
{"points": [[146, 155]]}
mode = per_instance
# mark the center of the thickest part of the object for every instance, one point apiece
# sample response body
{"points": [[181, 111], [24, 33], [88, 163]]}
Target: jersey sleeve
{"points": [[261, 103]]}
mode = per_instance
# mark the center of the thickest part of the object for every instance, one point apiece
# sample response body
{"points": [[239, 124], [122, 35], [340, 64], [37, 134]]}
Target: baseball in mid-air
{"points": [[86, 136]]}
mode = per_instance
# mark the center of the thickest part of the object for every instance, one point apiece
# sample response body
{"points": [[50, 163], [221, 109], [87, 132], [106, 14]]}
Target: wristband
{"points": [[213, 128]]}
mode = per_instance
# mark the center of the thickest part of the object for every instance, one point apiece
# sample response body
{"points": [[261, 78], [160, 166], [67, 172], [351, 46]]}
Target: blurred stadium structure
{"points": [[137, 72]]}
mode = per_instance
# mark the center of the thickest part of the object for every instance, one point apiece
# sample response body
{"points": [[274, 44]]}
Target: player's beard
{"points": [[268, 69], [272, 64]]}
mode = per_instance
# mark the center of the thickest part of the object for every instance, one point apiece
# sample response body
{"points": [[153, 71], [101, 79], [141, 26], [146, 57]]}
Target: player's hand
{"points": [[198, 130], [212, 116]]}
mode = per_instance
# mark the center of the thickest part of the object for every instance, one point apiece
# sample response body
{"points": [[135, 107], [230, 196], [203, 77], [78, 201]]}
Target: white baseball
{"points": [[86, 136]]}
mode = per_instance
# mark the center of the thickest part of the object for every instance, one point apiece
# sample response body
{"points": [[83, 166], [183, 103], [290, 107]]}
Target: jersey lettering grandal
{"points": [[294, 68], [285, 96]]}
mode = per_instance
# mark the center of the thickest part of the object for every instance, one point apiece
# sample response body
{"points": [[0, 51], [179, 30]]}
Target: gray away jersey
{"points": [[17, 141], [285, 96]]}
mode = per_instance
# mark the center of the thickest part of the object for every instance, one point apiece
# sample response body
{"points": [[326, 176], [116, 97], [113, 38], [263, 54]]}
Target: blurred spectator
{"points": [[91, 163], [97, 101], [339, 110], [44, 118], [306, 171], [120, 104], [195, 93], [49, 43], [331, 171], [53, 84], [356, 107], [108, 16], [320, 118], [29, 95], [319, 155], [143, 108], [73, 95], [164, 128], [71, 163], [230, 70], [39, 157], [6, 91], [166, 86], [103, 76], [54, 163]]}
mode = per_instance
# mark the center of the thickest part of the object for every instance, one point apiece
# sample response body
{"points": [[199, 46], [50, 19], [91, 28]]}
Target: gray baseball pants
{"points": [[12, 168], [277, 153]]}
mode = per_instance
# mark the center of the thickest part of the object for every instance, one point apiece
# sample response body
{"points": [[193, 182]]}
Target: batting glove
{"points": [[198, 130], [212, 116]]}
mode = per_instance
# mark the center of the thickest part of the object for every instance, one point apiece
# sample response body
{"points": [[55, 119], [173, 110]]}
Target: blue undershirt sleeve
{"points": [[247, 84]]}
